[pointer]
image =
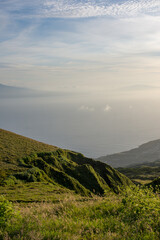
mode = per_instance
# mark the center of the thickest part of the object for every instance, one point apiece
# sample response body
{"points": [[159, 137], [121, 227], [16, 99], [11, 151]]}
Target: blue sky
{"points": [[100, 47]]}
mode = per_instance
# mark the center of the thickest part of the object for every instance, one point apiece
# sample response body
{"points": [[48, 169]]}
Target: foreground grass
{"points": [[34, 192], [133, 215]]}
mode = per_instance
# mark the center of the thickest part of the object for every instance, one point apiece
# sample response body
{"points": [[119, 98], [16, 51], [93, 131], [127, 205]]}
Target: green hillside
{"points": [[155, 184], [14, 146], [143, 173], [26, 161], [43, 188], [147, 152]]}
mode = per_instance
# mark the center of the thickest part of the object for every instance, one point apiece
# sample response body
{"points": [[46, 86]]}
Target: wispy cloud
{"points": [[140, 87], [81, 8], [86, 108], [107, 108], [69, 44], [89, 8]]}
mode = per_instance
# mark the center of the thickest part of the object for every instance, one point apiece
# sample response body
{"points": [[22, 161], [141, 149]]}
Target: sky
{"points": [[103, 48]]}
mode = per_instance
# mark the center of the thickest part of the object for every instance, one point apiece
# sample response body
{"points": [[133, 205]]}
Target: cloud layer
{"points": [[88, 8], [81, 8], [85, 45]]}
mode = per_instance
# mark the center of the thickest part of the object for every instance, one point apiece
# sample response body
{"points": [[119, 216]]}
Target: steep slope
{"points": [[71, 170], [21, 163], [14, 146], [148, 152]]}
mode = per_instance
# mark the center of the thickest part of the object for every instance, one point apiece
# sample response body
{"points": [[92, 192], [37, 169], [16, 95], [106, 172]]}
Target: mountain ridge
{"points": [[147, 152], [12, 91], [19, 92]]}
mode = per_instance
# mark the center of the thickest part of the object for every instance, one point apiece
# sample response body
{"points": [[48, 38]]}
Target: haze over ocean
{"points": [[94, 129], [100, 58]]}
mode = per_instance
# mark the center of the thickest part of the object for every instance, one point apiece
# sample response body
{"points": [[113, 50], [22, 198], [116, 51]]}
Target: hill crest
{"points": [[14, 146], [147, 152]]}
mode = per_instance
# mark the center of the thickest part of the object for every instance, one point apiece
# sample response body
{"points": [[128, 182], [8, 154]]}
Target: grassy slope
{"points": [[20, 163], [142, 173], [35, 192], [155, 184], [14, 146], [131, 215], [70, 170]]}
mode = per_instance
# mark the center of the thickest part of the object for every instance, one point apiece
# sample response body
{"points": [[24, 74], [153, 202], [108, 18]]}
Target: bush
{"points": [[6, 212], [2, 175], [140, 204]]}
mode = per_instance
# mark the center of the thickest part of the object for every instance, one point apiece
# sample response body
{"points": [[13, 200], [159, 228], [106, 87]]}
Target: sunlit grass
{"points": [[142, 181], [14, 146], [132, 215]]}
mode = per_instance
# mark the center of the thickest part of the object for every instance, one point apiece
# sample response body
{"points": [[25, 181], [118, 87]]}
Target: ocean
{"points": [[93, 127]]}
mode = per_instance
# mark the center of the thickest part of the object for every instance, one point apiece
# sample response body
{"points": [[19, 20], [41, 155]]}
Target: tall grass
{"points": [[133, 215]]}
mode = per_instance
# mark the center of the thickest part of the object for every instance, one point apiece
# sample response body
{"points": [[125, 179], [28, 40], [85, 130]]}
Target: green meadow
{"points": [[48, 193], [133, 214]]}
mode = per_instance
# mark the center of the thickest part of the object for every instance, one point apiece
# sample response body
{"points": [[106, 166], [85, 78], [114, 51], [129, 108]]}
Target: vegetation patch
{"points": [[14, 146], [155, 184], [142, 173], [34, 192], [24, 160], [70, 170], [131, 215]]}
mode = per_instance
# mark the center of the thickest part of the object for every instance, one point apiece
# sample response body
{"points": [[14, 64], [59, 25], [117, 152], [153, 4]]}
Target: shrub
{"points": [[140, 203], [6, 212]]}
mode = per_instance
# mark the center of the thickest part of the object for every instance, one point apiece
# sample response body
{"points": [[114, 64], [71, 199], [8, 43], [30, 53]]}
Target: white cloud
{"points": [[81, 8], [87, 108], [97, 54], [87, 8], [107, 108]]}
